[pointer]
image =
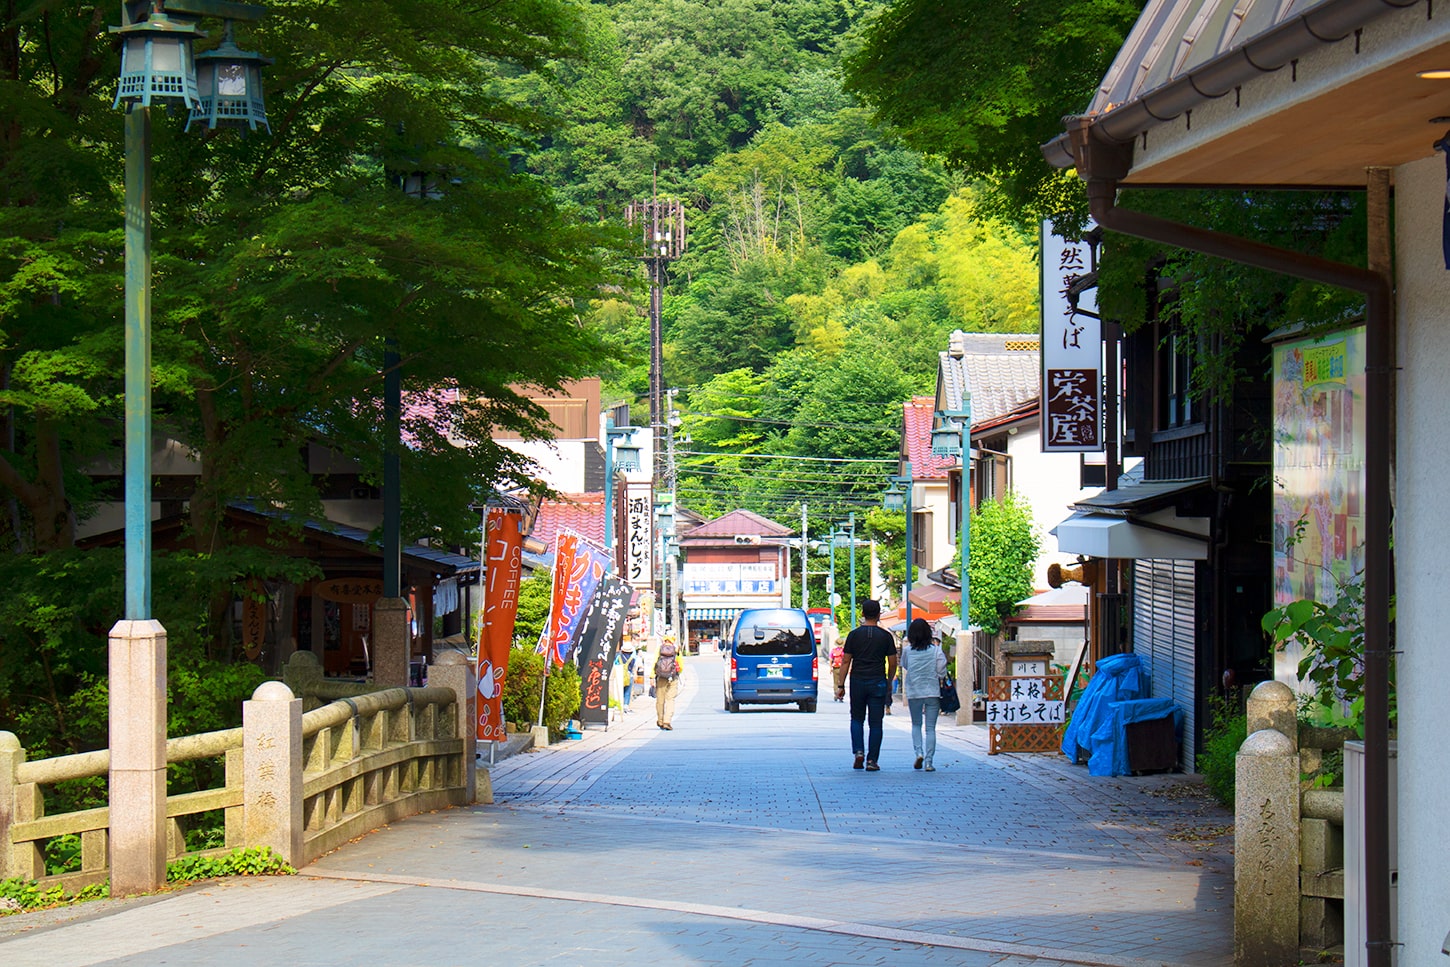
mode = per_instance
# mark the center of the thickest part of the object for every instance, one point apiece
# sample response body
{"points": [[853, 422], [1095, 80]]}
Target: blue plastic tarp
{"points": [[1110, 740], [1116, 678]]}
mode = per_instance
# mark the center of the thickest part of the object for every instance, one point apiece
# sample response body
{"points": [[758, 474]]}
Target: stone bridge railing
{"points": [[1289, 846], [301, 783]]}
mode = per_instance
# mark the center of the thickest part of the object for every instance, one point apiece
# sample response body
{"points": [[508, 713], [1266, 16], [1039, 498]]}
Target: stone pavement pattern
{"points": [[734, 839]]}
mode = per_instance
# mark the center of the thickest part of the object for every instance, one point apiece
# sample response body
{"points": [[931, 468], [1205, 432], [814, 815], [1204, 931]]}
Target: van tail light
{"points": [[816, 669], [734, 677]]}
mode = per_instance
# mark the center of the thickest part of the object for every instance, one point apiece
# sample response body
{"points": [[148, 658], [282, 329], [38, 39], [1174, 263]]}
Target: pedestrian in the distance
{"points": [[667, 684], [869, 665], [629, 665], [838, 668], [924, 664]]}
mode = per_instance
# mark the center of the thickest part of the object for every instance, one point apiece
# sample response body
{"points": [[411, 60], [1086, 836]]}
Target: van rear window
{"points": [[778, 640]]}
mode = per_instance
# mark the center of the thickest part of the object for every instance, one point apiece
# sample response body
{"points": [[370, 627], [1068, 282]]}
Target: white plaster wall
{"points": [[931, 501], [561, 464], [1421, 536], [1049, 482]]}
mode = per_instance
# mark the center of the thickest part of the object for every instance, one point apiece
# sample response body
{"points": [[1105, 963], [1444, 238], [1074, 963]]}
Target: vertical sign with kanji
{"points": [[1071, 350], [598, 640], [639, 537]]}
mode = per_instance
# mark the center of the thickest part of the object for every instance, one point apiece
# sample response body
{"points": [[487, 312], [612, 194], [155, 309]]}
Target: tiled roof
{"points": [[581, 513], [443, 562], [1000, 370], [737, 522], [432, 407], [916, 418]]}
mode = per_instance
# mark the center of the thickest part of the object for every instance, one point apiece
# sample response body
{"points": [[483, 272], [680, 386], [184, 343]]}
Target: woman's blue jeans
{"points": [[868, 700], [928, 709]]}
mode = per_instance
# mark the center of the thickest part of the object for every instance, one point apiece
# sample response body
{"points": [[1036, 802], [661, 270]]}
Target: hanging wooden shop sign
{"points": [[349, 590]]}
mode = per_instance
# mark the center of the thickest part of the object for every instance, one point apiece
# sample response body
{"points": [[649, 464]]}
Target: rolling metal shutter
{"points": [[1164, 623]]}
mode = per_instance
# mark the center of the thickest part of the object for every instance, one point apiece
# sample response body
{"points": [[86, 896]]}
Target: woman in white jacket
{"points": [[924, 664]]}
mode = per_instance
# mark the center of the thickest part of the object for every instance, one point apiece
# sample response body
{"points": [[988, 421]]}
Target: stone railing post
{"points": [[1266, 851], [302, 673], [137, 791], [272, 770], [1272, 705], [391, 642], [453, 670], [11, 755]]}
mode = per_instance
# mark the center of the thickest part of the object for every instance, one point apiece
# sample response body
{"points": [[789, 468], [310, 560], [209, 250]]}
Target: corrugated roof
{"points": [[581, 513], [916, 419], [1066, 605], [1002, 371]]}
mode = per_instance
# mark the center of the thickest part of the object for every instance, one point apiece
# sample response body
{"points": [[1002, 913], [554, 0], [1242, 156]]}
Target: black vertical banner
{"points": [[598, 639]]}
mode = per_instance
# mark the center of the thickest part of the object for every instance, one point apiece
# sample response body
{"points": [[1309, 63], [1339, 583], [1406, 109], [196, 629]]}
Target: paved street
{"points": [[734, 839]]}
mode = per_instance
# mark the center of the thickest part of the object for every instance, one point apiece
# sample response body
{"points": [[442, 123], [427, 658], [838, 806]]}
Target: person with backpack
{"points": [[667, 683], [869, 665], [838, 671]]}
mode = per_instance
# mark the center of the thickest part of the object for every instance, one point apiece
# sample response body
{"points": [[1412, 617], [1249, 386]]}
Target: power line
{"points": [[789, 456], [843, 479], [822, 426]]}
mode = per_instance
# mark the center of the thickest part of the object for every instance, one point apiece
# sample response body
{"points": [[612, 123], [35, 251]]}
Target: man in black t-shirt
{"points": [[869, 665]]}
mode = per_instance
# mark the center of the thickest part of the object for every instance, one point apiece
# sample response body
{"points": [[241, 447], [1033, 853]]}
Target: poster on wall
{"points": [[1072, 349], [1318, 473]]}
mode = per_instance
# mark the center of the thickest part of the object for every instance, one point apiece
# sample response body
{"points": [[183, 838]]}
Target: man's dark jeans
{"points": [[868, 700]]}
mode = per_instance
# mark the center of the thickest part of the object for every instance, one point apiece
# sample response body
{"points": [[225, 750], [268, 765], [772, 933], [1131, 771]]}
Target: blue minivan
{"points": [[771, 660]]}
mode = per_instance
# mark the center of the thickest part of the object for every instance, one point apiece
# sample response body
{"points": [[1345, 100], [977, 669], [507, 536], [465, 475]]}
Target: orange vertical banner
{"points": [[500, 606]]}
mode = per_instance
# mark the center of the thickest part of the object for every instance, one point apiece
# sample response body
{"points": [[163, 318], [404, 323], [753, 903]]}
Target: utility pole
{"points": [[852, 619], [662, 229], [805, 571]]}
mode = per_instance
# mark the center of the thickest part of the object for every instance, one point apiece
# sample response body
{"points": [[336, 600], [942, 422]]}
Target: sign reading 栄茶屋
{"points": [[1071, 350]]}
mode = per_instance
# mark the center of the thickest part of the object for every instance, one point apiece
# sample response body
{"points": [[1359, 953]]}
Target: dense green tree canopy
{"points": [[983, 84]]}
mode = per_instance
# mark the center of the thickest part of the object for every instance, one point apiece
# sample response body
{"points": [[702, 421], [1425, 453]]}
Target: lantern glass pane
{"points": [[231, 80], [133, 56], [204, 74], [165, 55]]}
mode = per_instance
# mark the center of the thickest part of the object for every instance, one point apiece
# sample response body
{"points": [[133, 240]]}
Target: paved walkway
{"points": [[734, 839]]}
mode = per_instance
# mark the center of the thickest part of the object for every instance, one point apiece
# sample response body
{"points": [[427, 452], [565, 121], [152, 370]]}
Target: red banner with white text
{"points": [[500, 606]]}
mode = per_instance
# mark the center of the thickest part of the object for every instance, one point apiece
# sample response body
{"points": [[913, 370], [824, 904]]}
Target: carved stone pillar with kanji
{"points": [[272, 770]]}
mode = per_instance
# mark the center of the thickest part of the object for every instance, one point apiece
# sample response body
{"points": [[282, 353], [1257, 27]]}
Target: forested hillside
{"points": [[826, 264]]}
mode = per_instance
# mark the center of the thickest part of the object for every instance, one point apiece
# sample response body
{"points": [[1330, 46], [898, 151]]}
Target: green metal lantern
{"points": [[229, 82], [157, 66]]}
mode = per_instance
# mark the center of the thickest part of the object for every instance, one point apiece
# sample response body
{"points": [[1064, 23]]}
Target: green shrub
{"points": [[242, 861], [1227, 729], [521, 690]]}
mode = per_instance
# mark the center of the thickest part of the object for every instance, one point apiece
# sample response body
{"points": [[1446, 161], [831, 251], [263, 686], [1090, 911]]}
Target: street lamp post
{"points": [[158, 67], [853, 568], [899, 497], [628, 460], [955, 436]]}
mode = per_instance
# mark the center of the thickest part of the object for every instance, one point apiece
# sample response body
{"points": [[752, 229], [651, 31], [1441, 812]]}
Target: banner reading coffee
{"points": [[500, 607], [597, 642]]}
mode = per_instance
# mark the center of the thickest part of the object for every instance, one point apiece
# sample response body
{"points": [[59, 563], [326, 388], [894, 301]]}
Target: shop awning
{"points": [[712, 614], [1098, 535], [1152, 520], [933, 597]]}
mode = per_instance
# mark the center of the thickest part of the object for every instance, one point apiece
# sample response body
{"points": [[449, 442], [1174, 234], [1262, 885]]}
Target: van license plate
{"points": [[774, 671]]}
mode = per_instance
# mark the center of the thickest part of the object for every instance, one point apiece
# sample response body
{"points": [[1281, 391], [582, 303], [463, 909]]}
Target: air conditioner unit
{"points": [[747, 538]]}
